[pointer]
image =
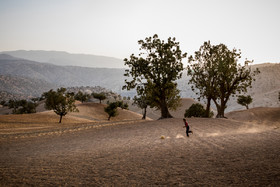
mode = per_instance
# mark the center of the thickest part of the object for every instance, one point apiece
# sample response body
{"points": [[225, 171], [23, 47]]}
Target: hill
{"points": [[88, 113], [260, 115], [13, 87], [66, 76], [264, 89], [62, 58]]}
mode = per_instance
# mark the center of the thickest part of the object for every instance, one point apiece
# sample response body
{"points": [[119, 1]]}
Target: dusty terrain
{"points": [[152, 113], [85, 150]]}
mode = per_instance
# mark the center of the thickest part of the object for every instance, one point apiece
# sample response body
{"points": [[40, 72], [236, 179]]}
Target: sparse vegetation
{"points": [[244, 100], [60, 102], [157, 68], [22, 106], [215, 73]]}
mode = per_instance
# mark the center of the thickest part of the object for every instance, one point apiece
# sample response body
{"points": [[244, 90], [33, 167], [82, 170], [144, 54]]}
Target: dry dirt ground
{"points": [[221, 152]]}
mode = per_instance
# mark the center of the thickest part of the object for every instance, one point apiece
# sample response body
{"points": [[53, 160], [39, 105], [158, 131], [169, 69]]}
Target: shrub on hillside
{"points": [[22, 106], [244, 100], [122, 105], [196, 110]]}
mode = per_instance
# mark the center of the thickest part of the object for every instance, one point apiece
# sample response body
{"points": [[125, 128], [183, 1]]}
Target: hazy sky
{"points": [[113, 27]]}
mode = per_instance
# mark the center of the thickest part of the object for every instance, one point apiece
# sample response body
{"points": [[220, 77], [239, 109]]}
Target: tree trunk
{"points": [[220, 109], [109, 118], [145, 112], [247, 106], [221, 113], [164, 112], [60, 118], [207, 111]]}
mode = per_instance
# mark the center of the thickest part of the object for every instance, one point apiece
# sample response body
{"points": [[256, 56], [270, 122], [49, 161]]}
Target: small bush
{"points": [[196, 110], [244, 100]]}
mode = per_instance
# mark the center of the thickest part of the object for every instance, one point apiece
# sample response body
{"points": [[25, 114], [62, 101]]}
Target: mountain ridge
{"points": [[63, 58]]}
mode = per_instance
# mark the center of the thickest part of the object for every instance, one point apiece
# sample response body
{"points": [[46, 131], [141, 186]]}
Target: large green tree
{"points": [[222, 75], [60, 102], [158, 66], [202, 72]]}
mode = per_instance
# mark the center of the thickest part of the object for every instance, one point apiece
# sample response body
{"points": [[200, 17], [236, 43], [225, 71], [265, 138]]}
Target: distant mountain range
{"points": [[61, 58], [16, 72], [29, 78]]}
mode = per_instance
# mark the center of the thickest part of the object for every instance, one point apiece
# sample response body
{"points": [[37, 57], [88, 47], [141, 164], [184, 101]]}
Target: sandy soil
{"points": [[221, 152]]}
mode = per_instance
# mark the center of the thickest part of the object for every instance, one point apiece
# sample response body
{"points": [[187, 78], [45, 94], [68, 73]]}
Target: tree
{"points": [[80, 96], [143, 100], [224, 77], [100, 96], [111, 110], [244, 100], [158, 65], [203, 74], [60, 102]]}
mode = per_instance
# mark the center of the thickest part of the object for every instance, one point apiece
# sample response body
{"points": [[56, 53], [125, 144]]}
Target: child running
{"points": [[187, 127]]}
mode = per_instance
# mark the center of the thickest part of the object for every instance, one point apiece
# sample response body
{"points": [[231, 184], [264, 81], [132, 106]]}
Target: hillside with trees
{"points": [[22, 78], [13, 87], [57, 76]]}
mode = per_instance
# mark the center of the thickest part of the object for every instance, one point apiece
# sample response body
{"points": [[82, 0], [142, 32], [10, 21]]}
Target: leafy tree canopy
{"points": [[156, 68], [80, 96], [60, 102], [111, 110], [99, 96], [217, 75]]}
